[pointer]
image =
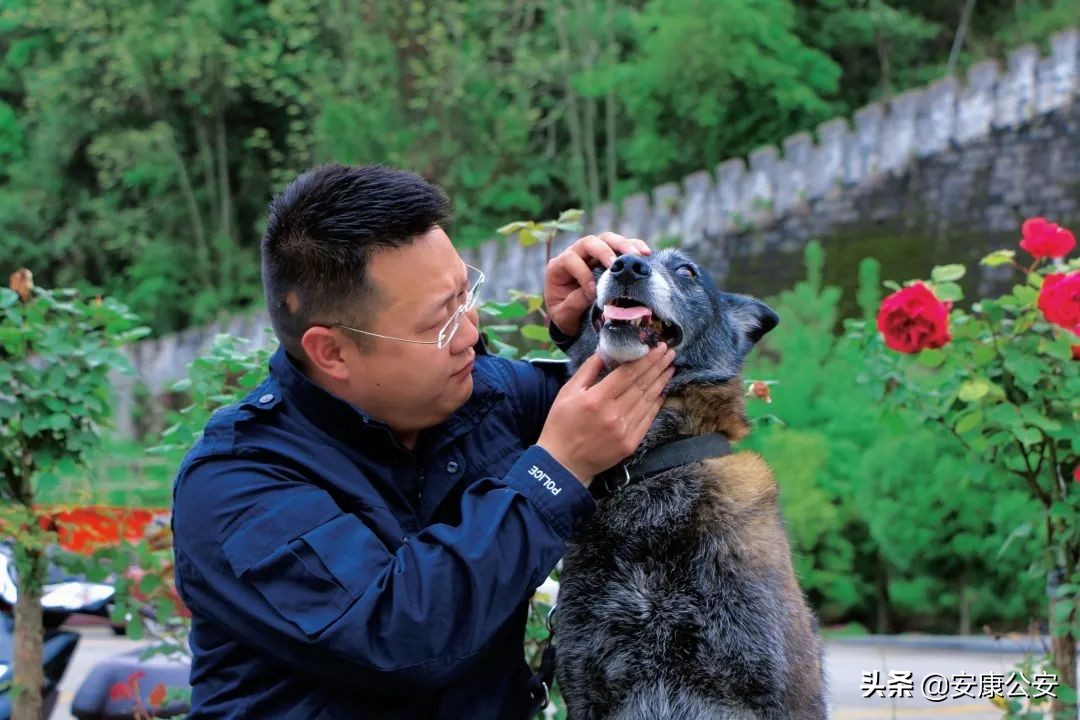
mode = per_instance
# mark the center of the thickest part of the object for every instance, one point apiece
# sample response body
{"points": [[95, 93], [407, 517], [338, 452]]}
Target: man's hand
{"points": [[569, 287], [590, 427]]}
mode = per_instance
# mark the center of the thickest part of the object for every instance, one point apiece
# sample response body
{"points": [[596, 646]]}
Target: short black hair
{"points": [[320, 233]]}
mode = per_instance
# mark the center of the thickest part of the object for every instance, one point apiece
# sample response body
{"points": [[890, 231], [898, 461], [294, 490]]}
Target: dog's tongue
{"points": [[614, 312]]}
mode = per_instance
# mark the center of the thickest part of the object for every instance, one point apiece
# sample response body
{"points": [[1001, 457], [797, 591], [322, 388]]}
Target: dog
{"points": [[677, 597]]}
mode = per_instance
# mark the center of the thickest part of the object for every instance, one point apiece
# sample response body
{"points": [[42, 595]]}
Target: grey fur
{"points": [[659, 613]]}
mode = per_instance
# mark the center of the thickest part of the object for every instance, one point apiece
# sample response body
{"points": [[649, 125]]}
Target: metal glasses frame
{"points": [[446, 334]]}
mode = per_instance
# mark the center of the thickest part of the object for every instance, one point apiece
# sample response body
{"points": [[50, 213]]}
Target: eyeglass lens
{"points": [[447, 333]]}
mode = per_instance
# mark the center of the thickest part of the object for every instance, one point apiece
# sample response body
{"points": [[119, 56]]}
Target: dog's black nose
{"points": [[629, 267]]}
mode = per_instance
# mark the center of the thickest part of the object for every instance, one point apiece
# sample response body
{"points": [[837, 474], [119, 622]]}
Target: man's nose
{"points": [[468, 332], [629, 267]]}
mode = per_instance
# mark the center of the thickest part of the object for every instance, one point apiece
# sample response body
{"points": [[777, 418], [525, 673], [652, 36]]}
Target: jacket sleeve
{"points": [[271, 558]]}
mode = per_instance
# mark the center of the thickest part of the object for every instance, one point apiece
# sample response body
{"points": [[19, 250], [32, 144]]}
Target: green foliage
{"points": [[140, 142], [888, 518], [221, 376], [56, 352], [732, 74], [57, 349], [1006, 392]]}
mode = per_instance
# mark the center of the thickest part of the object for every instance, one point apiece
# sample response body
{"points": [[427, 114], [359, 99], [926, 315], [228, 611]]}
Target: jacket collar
{"points": [[351, 425]]}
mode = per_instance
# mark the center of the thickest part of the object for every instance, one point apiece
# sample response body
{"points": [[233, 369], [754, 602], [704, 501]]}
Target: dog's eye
{"points": [[685, 271]]}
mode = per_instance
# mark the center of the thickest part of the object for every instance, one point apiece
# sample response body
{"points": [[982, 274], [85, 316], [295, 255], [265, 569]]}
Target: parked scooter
{"points": [[62, 597]]}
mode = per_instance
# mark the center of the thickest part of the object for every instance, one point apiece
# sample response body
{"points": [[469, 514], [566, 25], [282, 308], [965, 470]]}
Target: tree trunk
{"points": [[609, 109], [1064, 652], [1065, 660], [961, 33], [965, 605], [881, 592], [29, 672]]}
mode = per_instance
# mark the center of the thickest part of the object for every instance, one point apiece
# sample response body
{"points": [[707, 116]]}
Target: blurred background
{"points": [[780, 142]]}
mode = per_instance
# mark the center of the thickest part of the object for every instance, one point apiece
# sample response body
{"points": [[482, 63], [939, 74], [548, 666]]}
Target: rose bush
{"points": [[1003, 380]]}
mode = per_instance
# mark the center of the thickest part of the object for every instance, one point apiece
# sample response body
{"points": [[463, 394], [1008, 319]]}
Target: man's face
{"points": [[417, 289]]}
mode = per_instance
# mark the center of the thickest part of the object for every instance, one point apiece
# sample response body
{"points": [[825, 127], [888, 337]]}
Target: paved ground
{"points": [[845, 664]]}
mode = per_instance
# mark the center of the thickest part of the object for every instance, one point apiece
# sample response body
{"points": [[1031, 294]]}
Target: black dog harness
{"points": [[670, 455]]}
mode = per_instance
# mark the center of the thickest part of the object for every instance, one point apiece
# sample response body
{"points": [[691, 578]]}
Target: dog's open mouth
{"points": [[623, 315]]}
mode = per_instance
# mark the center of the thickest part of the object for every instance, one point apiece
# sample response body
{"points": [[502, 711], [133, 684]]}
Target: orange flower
{"points": [[157, 695]]}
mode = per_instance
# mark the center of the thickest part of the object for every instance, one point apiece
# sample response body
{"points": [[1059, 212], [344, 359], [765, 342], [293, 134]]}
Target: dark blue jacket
{"points": [[332, 573]]}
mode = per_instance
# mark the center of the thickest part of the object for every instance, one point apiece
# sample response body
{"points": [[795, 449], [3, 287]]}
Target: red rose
{"points": [[1059, 300], [912, 319], [1046, 239]]}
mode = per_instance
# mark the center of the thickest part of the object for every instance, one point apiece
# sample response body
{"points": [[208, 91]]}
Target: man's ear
{"points": [[752, 317], [326, 351]]}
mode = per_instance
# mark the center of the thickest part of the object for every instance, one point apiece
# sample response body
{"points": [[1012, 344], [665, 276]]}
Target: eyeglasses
{"points": [[446, 334]]}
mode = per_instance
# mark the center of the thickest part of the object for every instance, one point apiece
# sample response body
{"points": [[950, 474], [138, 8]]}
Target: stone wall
{"points": [[809, 185], [955, 157]]}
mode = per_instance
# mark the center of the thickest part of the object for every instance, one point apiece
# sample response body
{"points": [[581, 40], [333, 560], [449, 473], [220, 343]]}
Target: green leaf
{"points": [[983, 353], [1033, 417], [891, 285], [503, 349], [998, 257], [1027, 435], [993, 309], [571, 215], [555, 354], [931, 358], [504, 310], [1060, 347], [60, 421], [149, 583], [1025, 294], [969, 421], [511, 228], [947, 273], [538, 333], [8, 297], [1022, 530], [1066, 693], [972, 390], [1027, 369], [528, 237], [948, 292]]}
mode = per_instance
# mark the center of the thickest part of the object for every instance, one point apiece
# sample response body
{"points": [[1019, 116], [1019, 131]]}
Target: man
{"points": [[358, 538]]}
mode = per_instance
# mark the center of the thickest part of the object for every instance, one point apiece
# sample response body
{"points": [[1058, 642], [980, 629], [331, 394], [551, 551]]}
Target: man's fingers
{"points": [[647, 387], [574, 266], [587, 373], [649, 404], [592, 247], [651, 375], [646, 419], [625, 244], [623, 377]]}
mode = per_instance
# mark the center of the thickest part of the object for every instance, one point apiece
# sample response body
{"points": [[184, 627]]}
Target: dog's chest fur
{"points": [[678, 599]]}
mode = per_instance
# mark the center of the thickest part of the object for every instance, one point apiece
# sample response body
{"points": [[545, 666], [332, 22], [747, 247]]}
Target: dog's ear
{"points": [[752, 317]]}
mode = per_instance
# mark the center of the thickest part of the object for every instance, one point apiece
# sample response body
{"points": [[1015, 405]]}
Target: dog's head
{"points": [[642, 300]]}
